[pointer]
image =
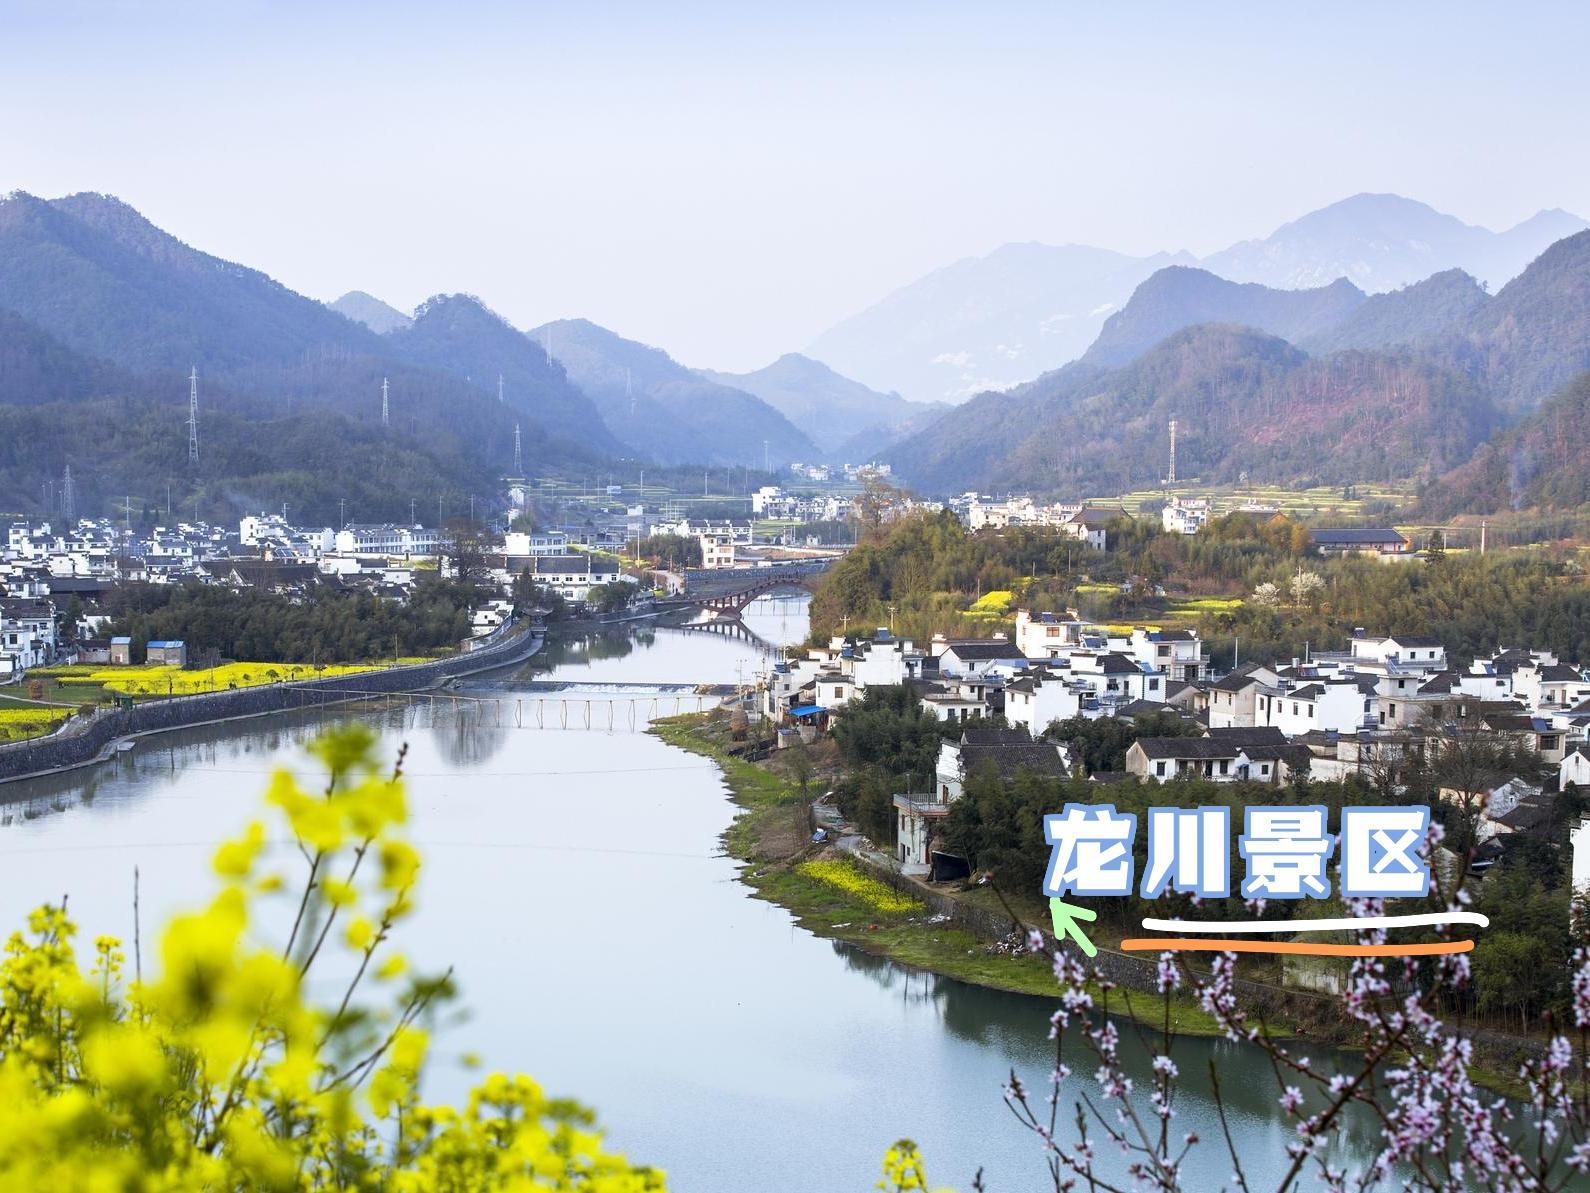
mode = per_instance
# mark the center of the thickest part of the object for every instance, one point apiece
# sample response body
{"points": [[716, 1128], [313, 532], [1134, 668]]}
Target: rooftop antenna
{"points": [[518, 458], [1170, 476], [386, 412], [68, 497], [193, 417]]}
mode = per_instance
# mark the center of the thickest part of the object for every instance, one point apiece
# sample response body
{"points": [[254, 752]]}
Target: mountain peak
{"points": [[371, 311]]}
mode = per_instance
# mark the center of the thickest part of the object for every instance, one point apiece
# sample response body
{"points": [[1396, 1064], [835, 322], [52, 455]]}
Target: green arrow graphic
{"points": [[1066, 916]]}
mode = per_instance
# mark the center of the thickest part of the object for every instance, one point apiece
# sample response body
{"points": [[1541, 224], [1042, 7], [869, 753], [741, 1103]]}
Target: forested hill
{"points": [[95, 274], [102, 314], [1534, 336], [1415, 314], [1244, 401], [1541, 463], [1404, 385], [35, 367], [461, 335]]}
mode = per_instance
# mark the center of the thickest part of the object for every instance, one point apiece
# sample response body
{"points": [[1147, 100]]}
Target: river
{"points": [[574, 880]]}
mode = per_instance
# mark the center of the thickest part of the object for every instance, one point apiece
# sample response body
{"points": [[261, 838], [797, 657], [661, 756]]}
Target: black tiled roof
{"points": [[1010, 757], [983, 648], [996, 737], [1187, 747], [1355, 536], [1249, 735]]}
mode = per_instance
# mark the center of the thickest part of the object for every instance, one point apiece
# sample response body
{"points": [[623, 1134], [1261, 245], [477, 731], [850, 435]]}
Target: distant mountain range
{"points": [[986, 322], [661, 410], [1378, 374], [104, 314], [1384, 242], [1405, 384], [844, 418], [996, 321]]}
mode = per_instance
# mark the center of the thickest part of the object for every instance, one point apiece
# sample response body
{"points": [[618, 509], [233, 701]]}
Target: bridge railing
{"points": [[697, 578]]}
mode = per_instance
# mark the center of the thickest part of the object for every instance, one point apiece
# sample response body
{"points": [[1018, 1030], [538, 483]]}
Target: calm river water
{"points": [[574, 879]]}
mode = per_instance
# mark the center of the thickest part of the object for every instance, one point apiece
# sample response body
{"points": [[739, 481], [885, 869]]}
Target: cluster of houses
{"points": [[1085, 522], [772, 501], [1330, 715], [44, 568]]}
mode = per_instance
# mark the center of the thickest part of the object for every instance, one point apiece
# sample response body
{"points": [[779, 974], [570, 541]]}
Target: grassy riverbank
{"points": [[771, 839]]}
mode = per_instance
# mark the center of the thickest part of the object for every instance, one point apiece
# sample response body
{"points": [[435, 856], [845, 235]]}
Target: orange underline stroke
{"points": [[1203, 944]]}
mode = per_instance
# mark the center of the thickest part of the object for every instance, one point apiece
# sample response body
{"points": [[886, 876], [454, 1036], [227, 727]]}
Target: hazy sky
{"points": [[726, 180]]}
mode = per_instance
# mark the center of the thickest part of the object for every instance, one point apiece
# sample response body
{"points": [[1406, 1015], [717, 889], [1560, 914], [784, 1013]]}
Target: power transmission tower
{"points": [[518, 457], [193, 417], [1170, 476], [385, 409], [68, 497]]}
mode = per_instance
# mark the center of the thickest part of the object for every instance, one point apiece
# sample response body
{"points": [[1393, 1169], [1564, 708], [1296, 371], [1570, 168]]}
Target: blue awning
{"points": [[807, 710]]}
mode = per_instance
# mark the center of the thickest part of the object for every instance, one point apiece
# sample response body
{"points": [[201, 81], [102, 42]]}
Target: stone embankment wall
{"points": [[84, 739]]}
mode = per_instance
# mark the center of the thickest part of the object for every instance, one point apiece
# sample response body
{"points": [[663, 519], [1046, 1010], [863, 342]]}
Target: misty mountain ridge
{"points": [[994, 321], [371, 311], [837, 414], [1182, 296], [662, 410], [986, 322], [1383, 242]]}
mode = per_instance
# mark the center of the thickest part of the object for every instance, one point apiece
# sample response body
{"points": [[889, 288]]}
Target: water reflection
{"points": [[469, 733]]}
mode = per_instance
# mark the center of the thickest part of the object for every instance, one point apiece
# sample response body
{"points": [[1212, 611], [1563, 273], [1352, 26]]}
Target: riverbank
{"points": [[87, 740], [771, 840]]}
